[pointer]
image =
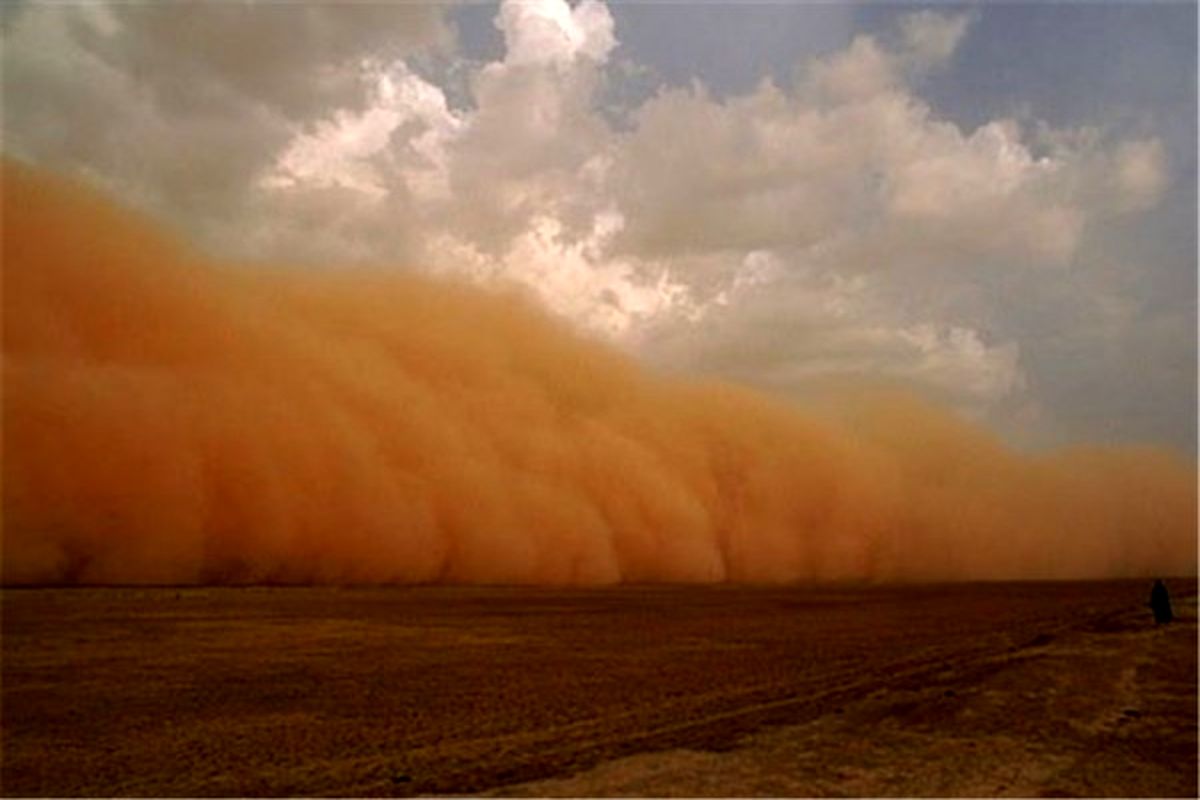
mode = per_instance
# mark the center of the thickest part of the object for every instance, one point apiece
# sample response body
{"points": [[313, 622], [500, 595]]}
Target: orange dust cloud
{"points": [[168, 419]]}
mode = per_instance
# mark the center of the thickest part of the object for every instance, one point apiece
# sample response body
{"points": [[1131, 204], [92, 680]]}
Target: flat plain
{"points": [[984, 689]]}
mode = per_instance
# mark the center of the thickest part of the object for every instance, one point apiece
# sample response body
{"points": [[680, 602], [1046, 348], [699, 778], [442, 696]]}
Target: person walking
{"points": [[1160, 603]]}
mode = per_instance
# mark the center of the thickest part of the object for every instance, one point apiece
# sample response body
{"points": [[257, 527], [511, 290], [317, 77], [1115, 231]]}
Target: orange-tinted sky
{"points": [[510, 293], [170, 419], [994, 204]]}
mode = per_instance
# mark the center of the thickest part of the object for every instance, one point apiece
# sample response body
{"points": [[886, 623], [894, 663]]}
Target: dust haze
{"points": [[168, 419]]}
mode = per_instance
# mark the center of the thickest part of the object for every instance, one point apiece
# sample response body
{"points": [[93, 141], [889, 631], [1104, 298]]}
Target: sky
{"points": [[994, 204]]}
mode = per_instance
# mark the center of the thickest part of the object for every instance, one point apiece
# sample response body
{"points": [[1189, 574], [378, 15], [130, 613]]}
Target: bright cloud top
{"points": [[834, 226]]}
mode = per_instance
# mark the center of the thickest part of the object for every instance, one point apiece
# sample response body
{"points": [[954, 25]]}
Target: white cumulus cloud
{"points": [[829, 227]]}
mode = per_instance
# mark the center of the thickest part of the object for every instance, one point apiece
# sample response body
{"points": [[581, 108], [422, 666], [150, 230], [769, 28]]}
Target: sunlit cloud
{"points": [[820, 227]]}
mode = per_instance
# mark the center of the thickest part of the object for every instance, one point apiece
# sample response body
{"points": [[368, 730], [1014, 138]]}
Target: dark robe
{"points": [[1160, 602]]}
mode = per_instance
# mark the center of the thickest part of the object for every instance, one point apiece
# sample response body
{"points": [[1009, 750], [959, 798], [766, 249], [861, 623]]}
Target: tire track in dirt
{"points": [[426, 690], [1104, 707], [716, 721]]}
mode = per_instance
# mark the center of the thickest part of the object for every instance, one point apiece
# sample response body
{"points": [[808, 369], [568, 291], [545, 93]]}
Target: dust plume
{"points": [[168, 419]]}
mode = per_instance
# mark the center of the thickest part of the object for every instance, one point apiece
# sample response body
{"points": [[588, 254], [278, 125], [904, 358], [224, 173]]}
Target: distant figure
{"points": [[1160, 602]]}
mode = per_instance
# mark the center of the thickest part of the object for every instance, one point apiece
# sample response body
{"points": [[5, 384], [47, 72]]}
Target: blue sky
{"points": [[992, 203]]}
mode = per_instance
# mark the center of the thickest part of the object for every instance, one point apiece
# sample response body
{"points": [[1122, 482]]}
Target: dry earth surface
{"points": [[1025, 689]]}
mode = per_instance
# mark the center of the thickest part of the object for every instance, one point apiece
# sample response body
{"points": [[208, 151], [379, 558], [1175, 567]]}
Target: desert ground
{"points": [[989, 689]]}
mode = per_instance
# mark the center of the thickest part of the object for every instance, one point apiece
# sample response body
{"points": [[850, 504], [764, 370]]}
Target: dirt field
{"points": [[984, 689]]}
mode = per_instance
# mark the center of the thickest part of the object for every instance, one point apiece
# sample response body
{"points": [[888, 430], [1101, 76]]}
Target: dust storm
{"points": [[170, 419]]}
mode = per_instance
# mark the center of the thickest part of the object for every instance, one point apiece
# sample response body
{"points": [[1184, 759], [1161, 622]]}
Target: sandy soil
{"points": [[984, 689], [1106, 709]]}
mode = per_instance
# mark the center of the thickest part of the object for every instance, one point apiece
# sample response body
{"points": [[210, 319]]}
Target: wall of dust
{"points": [[168, 419]]}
